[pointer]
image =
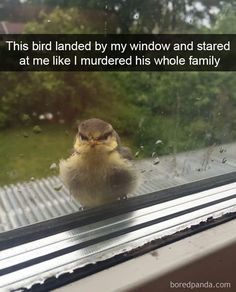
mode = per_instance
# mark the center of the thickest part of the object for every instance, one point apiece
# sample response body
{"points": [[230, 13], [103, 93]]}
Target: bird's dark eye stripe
{"points": [[83, 137]]}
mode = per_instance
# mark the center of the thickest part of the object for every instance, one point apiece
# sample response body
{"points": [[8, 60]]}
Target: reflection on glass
{"points": [[180, 127]]}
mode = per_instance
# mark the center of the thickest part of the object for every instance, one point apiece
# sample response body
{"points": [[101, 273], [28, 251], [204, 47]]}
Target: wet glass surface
{"points": [[179, 126]]}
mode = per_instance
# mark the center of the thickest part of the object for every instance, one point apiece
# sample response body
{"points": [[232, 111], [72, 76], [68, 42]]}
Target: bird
{"points": [[100, 170]]}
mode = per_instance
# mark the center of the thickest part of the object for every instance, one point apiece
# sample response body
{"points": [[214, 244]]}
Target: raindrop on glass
{"points": [[58, 188], [224, 160], [136, 16], [156, 161], [53, 166], [222, 150], [158, 142], [154, 154], [118, 30], [123, 197]]}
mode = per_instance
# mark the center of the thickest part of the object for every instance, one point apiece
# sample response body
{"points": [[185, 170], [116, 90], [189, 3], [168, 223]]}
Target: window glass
{"points": [[180, 126]]}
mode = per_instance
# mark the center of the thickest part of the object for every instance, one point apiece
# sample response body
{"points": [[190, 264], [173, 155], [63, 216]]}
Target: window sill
{"points": [[156, 269]]}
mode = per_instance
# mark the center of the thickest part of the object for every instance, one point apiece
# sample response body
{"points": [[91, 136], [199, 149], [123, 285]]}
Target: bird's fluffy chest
{"points": [[97, 178], [93, 170]]}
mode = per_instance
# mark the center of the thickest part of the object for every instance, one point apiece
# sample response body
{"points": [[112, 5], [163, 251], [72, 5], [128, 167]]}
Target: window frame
{"points": [[18, 237]]}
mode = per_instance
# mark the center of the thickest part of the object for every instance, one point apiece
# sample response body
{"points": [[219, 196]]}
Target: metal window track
{"points": [[123, 232]]}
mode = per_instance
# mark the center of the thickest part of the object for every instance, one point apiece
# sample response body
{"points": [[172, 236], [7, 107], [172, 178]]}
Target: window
{"points": [[180, 127]]}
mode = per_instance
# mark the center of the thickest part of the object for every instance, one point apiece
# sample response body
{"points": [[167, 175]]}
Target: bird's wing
{"points": [[125, 153], [121, 182]]}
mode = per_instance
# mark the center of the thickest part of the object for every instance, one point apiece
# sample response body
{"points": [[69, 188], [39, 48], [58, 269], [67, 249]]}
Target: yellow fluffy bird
{"points": [[100, 170]]}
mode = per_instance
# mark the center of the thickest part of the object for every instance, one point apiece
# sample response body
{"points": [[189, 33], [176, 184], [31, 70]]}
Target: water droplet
{"points": [[156, 161], [123, 197], [37, 129], [53, 166], [58, 188], [158, 142], [224, 160], [118, 30], [222, 150], [136, 16]]}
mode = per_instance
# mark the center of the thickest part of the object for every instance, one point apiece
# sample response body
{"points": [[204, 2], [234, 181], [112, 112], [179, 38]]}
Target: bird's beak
{"points": [[93, 143]]}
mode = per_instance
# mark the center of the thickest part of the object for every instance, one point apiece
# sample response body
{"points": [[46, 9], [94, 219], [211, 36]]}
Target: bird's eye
{"points": [[83, 137], [105, 136]]}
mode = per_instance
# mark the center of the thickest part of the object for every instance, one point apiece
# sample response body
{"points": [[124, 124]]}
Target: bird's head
{"points": [[95, 135]]}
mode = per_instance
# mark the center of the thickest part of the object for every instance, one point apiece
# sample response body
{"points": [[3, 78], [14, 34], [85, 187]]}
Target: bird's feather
{"points": [[125, 153]]}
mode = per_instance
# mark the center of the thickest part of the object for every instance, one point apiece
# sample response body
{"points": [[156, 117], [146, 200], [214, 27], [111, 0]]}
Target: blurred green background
{"points": [[39, 111]]}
